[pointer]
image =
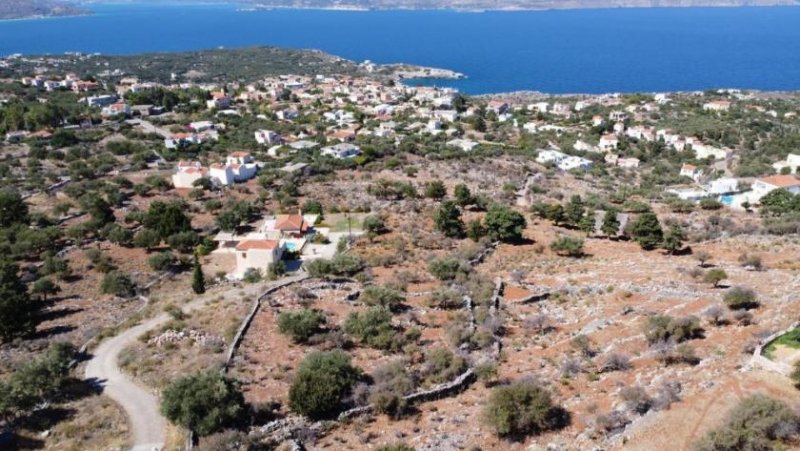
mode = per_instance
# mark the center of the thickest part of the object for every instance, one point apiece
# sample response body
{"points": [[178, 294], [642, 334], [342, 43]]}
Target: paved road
{"points": [[140, 404]]}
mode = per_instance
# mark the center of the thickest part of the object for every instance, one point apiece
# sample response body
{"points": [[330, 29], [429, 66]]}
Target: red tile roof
{"points": [[783, 181], [257, 244], [290, 222]]}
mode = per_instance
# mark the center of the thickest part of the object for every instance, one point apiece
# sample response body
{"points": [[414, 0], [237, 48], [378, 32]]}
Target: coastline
{"points": [[48, 17]]}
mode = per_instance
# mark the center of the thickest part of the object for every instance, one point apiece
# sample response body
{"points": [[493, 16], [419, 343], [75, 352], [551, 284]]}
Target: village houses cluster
{"points": [[347, 108]]}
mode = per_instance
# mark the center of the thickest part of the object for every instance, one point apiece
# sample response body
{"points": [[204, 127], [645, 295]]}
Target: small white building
{"points": [[464, 144], [691, 171], [608, 142], [570, 162], [341, 150], [219, 100], [547, 156], [201, 126], [539, 107], [792, 162], [257, 254], [187, 173], [725, 185], [265, 137]]}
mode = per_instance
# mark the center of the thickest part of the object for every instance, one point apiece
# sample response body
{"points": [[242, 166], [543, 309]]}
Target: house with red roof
{"points": [[257, 254], [770, 183]]}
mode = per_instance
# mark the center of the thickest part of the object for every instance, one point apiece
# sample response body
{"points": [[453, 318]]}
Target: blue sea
{"points": [[575, 51]]}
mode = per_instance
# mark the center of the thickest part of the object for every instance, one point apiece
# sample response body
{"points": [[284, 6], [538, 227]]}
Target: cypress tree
{"points": [[198, 279]]}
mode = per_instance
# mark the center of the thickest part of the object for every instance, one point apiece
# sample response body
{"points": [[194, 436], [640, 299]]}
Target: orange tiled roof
{"points": [[784, 181], [290, 222], [257, 244]]}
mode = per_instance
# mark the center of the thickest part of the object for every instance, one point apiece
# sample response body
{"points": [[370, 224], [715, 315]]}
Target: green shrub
{"points": [[447, 268], [567, 246], [504, 224], [446, 298], [441, 365], [373, 328], [161, 261], [715, 276], [523, 408], [204, 402], [662, 328], [301, 324], [382, 296], [322, 382], [395, 447], [740, 298], [756, 423], [118, 284]]}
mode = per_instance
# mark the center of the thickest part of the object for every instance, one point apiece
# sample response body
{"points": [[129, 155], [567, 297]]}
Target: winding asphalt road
{"points": [[140, 404]]}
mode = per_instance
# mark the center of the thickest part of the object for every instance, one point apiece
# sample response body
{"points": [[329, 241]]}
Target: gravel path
{"points": [[141, 405]]}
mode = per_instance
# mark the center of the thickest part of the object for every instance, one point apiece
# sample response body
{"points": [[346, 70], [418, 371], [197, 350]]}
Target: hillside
{"points": [[204, 65], [19, 9]]}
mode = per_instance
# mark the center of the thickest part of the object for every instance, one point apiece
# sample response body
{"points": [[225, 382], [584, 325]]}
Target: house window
{"points": [[244, 255]]}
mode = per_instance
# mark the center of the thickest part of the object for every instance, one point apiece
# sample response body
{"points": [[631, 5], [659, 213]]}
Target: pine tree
{"points": [[646, 230], [198, 279], [574, 211], [586, 223], [610, 225]]}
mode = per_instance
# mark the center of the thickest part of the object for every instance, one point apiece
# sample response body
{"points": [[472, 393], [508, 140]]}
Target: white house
{"points": [[187, 173], [570, 162], [267, 137], [341, 150], [201, 126], [116, 109], [101, 100], [764, 185], [608, 141], [792, 162], [691, 171], [725, 185], [219, 100], [464, 144], [547, 156], [539, 107], [257, 254]]}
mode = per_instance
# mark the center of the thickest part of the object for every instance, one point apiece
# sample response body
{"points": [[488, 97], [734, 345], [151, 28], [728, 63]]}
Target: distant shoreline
{"points": [[47, 16], [254, 7], [511, 9]]}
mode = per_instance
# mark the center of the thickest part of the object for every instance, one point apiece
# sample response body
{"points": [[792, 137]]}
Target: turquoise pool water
{"points": [[726, 199], [291, 247]]}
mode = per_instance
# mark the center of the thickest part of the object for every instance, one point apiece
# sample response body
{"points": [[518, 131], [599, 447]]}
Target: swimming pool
{"points": [[726, 199]]}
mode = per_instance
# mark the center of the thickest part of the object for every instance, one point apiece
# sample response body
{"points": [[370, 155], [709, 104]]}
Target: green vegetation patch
{"points": [[790, 339]]}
